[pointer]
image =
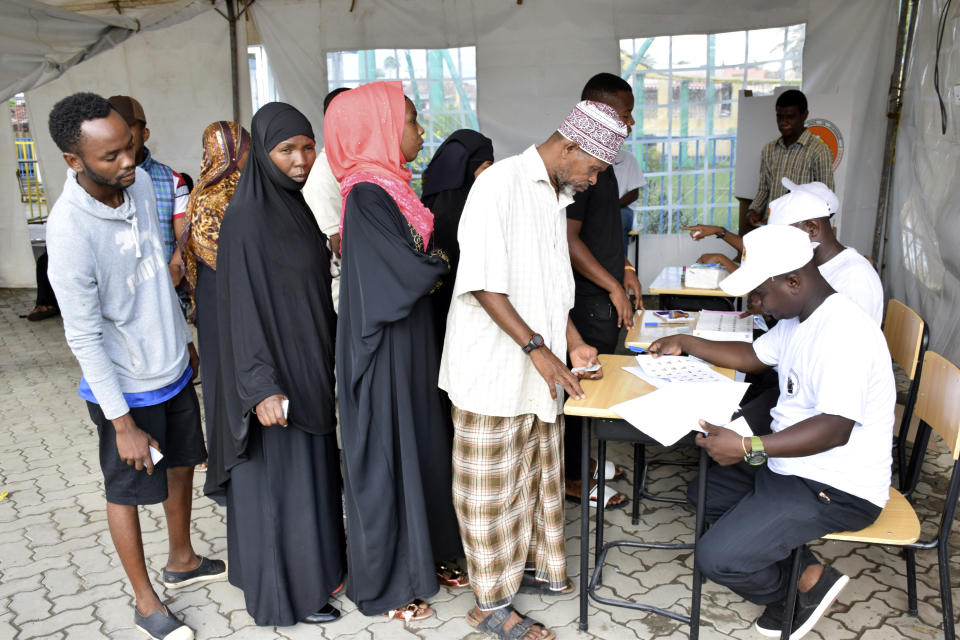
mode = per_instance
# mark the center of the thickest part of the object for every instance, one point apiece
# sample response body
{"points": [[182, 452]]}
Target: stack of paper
{"points": [[724, 325]]}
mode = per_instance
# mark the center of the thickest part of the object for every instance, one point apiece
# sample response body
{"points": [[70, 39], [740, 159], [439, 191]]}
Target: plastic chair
{"points": [[938, 408], [907, 336]]}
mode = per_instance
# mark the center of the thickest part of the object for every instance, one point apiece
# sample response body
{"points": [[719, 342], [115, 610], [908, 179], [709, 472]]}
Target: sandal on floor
{"points": [[530, 584], [452, 577], [611, 472], [493, 625], [608, 493], [416, 610]]}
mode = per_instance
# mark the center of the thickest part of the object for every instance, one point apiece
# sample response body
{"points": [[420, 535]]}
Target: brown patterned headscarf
{"points": [[225, 146]]}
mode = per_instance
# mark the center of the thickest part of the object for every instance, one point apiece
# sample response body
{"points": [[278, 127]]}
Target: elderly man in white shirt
{"points": [[322, 193], [508, 335]]}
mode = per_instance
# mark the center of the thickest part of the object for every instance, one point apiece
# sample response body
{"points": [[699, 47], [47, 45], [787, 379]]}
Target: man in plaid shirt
{"points": [[172, 192], [797, 154]]}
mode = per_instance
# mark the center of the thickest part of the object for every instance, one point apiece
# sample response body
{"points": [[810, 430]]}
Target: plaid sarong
{"points": [[508, 495]]}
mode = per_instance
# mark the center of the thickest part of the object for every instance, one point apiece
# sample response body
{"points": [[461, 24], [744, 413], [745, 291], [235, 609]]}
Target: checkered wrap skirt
{"points": [[508, 494]]}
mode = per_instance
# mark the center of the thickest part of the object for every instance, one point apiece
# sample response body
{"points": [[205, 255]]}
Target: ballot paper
{"points": [[672, 411], [155, 455], [678, 369]]}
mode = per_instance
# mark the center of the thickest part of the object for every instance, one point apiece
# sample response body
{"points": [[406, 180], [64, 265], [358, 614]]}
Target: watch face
{"points": [[537, 340], [756, 458]]}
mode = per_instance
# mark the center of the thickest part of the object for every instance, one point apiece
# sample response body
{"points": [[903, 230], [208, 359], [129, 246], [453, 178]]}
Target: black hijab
{"points": [[275, 314], [447, 181]]}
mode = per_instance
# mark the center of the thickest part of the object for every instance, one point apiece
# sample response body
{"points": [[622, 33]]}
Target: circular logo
{"points": [[829, 133]]}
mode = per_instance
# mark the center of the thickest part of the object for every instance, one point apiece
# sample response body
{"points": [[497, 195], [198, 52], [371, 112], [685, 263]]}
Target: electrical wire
{"points": [[941, 27]]}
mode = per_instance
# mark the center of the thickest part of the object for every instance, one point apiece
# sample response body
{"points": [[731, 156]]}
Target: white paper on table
{"points": [[656, 382], [672, 411], [679, 369], [155, 455], [741, 427]]}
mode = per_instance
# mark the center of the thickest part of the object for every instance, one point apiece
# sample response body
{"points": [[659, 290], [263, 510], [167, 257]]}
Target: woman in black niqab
{"points": [[446, 184], [285, 537]]}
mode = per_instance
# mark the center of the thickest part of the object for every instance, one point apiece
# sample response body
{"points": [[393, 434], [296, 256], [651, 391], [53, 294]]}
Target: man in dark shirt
{"points": [[603, 276]]}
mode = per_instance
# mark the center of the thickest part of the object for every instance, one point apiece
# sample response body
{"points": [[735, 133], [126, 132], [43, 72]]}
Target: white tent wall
{"points": [[922, 266], [532, 61], [181, 76], [16, 257]]}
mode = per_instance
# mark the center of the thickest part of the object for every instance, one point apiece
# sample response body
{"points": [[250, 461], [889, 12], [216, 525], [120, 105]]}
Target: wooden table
{"points": [[640, 336], [615, 387], [669, 286]]}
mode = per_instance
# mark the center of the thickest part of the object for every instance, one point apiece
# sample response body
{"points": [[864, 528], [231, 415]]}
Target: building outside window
{"points": [[685, 135], [442, 83]]}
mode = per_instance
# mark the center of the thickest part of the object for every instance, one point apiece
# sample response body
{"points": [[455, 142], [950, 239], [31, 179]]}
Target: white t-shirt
{"points": [[835, 362], [627, 170], [322, 193], [513, 240], [851, 274]]}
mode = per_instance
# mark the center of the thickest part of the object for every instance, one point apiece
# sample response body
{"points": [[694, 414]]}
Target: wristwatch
{"points": [[536, 341], [722, 234], [757, 455]]}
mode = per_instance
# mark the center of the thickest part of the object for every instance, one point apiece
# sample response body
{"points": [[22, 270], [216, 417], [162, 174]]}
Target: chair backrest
{"points": [[938, 399], [904, 330]]}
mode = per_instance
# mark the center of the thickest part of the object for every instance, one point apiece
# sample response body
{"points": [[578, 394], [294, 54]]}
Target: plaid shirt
{"points": [[807, 160], [171, 193]]}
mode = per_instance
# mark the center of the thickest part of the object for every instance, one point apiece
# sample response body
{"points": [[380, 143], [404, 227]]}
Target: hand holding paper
{"points": [[724, 445]]}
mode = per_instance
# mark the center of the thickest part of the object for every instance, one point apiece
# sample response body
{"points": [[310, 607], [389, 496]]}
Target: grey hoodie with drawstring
{"points": [[120, 313]]}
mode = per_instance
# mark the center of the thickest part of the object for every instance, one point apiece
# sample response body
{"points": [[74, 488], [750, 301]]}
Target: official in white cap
{"points": [[810, 207], [504, 363], [826, 465]]}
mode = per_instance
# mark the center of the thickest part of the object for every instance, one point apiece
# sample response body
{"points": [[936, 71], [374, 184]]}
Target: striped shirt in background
{"points": [[807, 160], [172, 197]]}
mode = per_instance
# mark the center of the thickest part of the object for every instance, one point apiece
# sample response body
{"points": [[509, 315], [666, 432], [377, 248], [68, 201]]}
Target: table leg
{"points": [[601, 488], [698, 531], [639, 461], [584, 518]]}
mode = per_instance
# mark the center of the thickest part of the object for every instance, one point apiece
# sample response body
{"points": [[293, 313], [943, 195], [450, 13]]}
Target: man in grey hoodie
{"points": [[123, 323]]}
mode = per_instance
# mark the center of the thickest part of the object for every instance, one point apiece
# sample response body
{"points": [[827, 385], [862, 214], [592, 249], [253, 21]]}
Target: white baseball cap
{"points": [[818, 189], [768, 251], [797, 206]]}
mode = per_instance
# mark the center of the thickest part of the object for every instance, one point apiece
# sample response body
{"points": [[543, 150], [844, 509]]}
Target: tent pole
{"points": [[908, 21], [234, 66]]}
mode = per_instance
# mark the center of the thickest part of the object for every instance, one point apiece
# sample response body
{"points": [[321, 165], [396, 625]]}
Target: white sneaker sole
{"points": [[180, 633], [805, 628]]}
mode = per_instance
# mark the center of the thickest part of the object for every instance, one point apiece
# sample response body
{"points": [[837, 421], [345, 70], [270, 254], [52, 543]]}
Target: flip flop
{"points": [[608, 493], [611, 472], [416, 610]]}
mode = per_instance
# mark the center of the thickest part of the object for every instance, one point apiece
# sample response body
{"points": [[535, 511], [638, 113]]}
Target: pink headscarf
{"points": [[362, 130]]}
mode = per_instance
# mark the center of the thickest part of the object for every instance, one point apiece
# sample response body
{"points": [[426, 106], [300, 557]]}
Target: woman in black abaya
{"points": [[285, 537], [396, 445]]}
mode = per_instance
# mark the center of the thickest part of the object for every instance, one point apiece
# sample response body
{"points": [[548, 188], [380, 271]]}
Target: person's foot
{"points": [[615, 499], [208, 569], [41, 312], [162, 625], [500, 622], [416, 610], [326, 613], [810, 606]]}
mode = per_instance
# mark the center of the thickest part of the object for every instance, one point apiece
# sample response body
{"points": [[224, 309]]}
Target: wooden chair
{"points": [[907, 336], [938, 408]]}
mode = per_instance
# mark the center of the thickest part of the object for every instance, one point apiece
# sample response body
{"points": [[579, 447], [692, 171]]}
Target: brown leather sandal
{"points": [[452, 577]]}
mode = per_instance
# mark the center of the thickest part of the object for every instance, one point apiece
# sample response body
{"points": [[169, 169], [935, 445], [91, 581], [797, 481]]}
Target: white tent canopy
{"points": [[532, 60]]}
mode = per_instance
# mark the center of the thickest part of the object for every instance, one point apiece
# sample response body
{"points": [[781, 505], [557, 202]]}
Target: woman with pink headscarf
{"points": [[396, 442]]}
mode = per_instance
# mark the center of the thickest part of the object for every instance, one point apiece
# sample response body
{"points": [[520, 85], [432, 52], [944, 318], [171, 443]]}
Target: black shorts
{"points": [[174, 424]]}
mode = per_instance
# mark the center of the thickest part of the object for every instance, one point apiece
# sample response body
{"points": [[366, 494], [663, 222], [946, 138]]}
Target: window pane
{"points": [[765, 44], [689, 51], [729, 48]]}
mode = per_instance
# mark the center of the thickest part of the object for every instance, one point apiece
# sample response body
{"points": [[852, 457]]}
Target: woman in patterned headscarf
{"points": [[225, 146]]}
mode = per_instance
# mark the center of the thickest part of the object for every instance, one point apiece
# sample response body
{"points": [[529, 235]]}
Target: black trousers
{"points": [[596, 320], [45, 295], [758, 517]]}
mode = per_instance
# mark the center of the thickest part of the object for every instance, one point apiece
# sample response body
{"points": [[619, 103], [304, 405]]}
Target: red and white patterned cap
{"points": [[597, 128]]}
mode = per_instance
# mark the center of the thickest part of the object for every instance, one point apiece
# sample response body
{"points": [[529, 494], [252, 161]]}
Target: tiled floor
{"points": [[59, 576]]}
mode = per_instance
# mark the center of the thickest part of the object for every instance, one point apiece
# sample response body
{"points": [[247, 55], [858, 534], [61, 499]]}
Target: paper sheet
{"points": [[740, 427], [672, 411], [679, 369], [155, 455]]}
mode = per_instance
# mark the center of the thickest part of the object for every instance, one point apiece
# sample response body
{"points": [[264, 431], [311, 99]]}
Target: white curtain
{"points": [[532, 61], [923, 252]]}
